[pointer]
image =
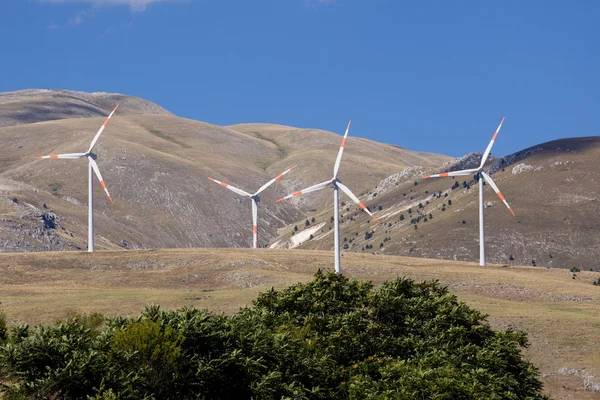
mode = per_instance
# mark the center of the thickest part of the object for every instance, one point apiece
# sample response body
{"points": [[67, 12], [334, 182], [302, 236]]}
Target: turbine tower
{"points": [[481, 174], [255, 199], [93, 168], [336, 184]]}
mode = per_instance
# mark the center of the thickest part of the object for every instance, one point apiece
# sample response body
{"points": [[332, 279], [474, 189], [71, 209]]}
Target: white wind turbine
{"points": [[479, 171], [255, 199], [93, 168], [336, 183]]}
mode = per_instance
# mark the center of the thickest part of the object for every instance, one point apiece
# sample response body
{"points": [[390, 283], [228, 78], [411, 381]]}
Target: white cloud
{"points": [[78, 17], [134, 5]]}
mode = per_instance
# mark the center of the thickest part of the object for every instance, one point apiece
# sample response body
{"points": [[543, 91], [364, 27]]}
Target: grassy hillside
{"points": [[551, 187], [560, 314], [156, 166]]}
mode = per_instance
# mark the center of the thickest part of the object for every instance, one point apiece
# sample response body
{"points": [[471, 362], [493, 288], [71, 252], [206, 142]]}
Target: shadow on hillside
{"points": [[49, 112]]}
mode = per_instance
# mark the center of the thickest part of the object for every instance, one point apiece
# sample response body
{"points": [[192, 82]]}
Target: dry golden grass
{"points": [[560, 314], [157, 168]]}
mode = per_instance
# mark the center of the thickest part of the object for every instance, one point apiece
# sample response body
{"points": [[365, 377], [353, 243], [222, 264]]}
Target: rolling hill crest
{"points": [[156, 166]]}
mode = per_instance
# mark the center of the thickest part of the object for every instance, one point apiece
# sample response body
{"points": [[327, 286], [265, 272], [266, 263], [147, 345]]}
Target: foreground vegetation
{"points": [[330, 338]]}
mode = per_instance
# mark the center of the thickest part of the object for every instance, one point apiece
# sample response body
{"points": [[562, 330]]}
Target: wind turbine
{"points": [[255, 199], [93, 168], [481, 173], [336, 184]]}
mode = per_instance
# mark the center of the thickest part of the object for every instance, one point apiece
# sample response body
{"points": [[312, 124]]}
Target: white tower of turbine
{"points": [[336, 184], [255, 199], [93, 168], [481, 174]]}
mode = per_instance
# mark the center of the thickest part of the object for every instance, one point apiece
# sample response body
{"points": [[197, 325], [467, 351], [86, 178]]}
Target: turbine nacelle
{"points": [[479, 170]]}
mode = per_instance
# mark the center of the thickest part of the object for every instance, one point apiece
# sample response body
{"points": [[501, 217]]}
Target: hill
{"points": [[559, 314], [551, 187], [156, 167], [38, 105]]}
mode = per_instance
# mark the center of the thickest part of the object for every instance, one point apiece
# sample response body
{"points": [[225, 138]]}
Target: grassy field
{"points": [[560, 314]]}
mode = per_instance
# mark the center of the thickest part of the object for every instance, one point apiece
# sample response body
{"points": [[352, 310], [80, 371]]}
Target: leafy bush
{"points": [[3, 327], [330, 338]]}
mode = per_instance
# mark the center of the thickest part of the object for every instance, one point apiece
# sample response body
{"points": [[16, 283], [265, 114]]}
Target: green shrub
{"points": [[59, 361], [3, 327], [330, 338]]}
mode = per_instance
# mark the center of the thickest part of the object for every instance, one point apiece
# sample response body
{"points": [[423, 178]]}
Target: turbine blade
{"points": [[489, 148], [102, 129], [314, 188], [489, 180], [355, 199], [97, 171], [254, 223], [68, 155], [272, 181], [232, 188], [338, 160], [464, 172]]}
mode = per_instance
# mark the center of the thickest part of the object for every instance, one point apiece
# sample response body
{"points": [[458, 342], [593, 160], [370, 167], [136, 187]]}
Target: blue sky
{"points": [[425, 75]]}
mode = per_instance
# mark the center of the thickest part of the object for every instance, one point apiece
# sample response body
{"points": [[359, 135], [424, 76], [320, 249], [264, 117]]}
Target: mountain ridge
{"points": [[157, 165]]}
